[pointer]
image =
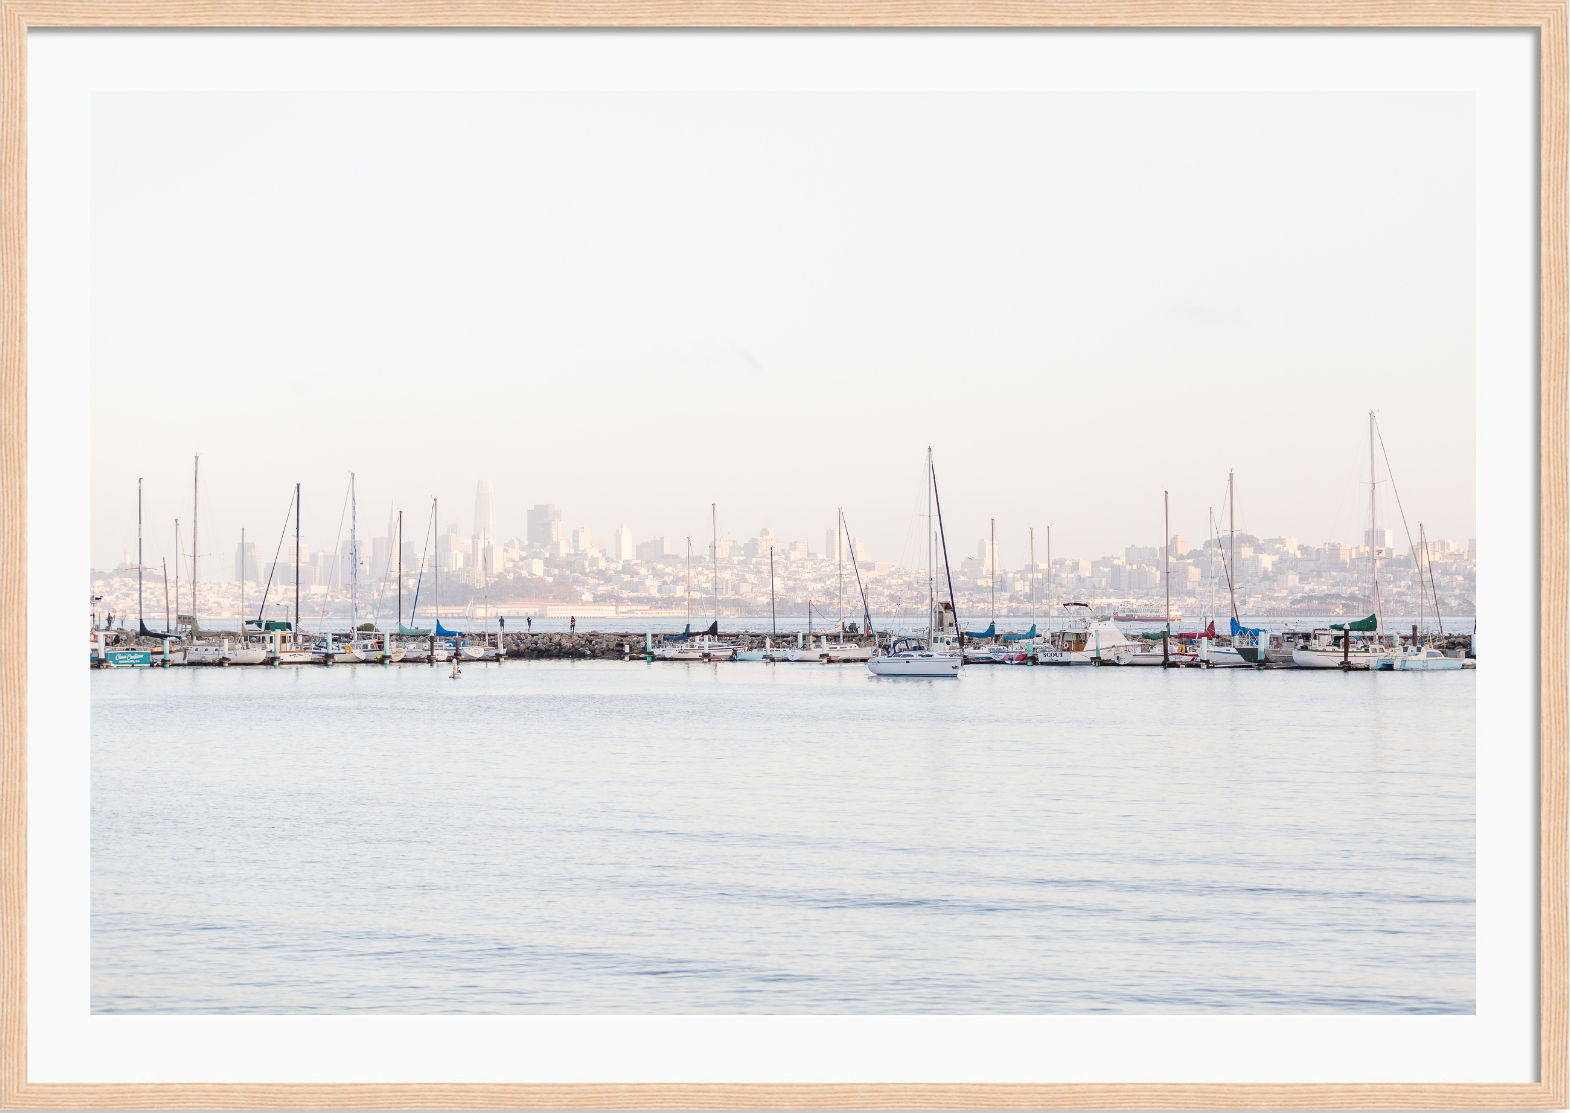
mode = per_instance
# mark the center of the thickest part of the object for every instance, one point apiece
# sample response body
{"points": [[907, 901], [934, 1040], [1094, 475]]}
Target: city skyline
{"points": [[571, 295]]}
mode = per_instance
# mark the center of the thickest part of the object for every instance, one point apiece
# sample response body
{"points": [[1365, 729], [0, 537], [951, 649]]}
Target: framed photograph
{"points": [[831, 554]]}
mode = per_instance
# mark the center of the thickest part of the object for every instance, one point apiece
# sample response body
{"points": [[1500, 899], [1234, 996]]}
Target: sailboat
{"points": [[842, 651], [1342, 652], [908, 656]]}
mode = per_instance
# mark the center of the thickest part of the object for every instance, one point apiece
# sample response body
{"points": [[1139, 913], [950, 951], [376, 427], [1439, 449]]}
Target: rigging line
{"points": [[959, 629], [321, 619], [1433, 592], [420, 577], [1225, 570], [1410, 547], [262, 607]]}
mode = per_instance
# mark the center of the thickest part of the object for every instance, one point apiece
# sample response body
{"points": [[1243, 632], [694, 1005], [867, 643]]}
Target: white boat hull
{"points": [[1333, 659], [916, 664]]}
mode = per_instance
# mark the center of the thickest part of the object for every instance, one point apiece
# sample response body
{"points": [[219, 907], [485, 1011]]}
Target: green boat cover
{"points": [[402, 629], [270, 624], [1362, 626]]}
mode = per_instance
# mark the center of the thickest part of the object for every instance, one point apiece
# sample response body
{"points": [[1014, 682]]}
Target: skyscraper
{"points": [[545, 524], [485, 509], [624, 543]]}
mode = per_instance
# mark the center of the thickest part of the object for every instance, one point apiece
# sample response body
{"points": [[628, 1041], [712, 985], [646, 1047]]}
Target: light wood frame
{"points": [[1547, 17]]}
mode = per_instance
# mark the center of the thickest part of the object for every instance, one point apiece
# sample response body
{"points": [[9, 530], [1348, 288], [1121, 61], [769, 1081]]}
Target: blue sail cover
{"points": [[1237, 629], [441, 632], [1027, 636], [988, 633]]}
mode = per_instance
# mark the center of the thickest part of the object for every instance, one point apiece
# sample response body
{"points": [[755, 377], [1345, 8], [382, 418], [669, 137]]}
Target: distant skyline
{"points": [[634, 305]]}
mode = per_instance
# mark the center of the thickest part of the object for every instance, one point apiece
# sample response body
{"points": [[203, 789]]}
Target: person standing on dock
{"points": [[572, 623]]}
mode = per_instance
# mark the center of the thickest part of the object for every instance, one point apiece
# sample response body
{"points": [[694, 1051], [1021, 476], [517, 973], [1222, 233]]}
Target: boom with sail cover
{"points": [[1027, 636], [1362, 626], [988, 633]]}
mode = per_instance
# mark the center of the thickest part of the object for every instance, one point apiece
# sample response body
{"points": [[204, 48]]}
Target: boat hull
{"points": [[1332, 659], [916, 665]]}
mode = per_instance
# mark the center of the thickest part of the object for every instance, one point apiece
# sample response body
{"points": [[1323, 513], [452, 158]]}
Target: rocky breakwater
{"points": [[593, 644]]}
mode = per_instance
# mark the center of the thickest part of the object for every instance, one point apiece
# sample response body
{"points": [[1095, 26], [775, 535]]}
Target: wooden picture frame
{"points": [[1547, 17]]}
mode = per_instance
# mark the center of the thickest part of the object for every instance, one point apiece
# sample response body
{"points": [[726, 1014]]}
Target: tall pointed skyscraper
{"points": [[485, 509]]}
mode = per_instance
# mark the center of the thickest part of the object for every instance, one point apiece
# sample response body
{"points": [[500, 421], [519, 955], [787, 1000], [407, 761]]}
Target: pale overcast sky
{"points": [[634, 305]]}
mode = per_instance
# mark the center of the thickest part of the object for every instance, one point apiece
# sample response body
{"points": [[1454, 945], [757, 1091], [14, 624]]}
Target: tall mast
{"points": [[400, 571], [689, 582], [1033, 577], [992, 558], [296, 630], [165, 564], [1423, 551], [1232, 549], [177, 576], [1050, 576], [354, 565], [1374, 574], [714, 530], [1167, 576], [436, 569], [141, 625], [196, 471], [243, 571], [840, 565], [932, 600]]}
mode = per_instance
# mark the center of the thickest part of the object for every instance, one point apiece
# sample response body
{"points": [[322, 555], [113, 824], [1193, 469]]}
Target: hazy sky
{"points": [[634, 305]]}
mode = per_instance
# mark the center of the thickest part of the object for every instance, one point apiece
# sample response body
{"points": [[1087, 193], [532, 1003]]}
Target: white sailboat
{"points": [[908, 656]]}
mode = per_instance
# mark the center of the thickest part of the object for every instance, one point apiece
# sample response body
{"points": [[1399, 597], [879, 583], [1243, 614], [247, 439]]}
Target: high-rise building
{"points": [[1177, 546], [834, 548], [721, 549], [545, 524], [1384, 539], [655, 549], [623, 549], [583, 540], [987, 553], [764, 544], [485, 509], [245, 562]]}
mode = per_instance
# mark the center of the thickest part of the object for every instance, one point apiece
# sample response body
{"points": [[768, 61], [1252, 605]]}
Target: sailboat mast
{"points": [[992, 558], [296, 630], [1374, 565], [932, 599], [1050, 577], [1423, 551], [1167, 576], [714, 561], [840, 564], [196, 471], [1033, 576], [772, 629], [1232, 549], [689, 581], [177, 576], [165, 564], [400, 570], [141, 625], [436, 570], [243, 571], [354, 565]]}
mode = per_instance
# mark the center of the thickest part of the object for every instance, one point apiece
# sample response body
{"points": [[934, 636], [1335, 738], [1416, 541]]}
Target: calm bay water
{"points": [[673, 837]]}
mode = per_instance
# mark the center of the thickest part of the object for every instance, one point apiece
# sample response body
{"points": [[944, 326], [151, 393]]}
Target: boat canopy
{"points": [[1362, 626], [1241, 629], [402, 629], [1158, 636], [270, 624], [1027, 636], [988, 633]]}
